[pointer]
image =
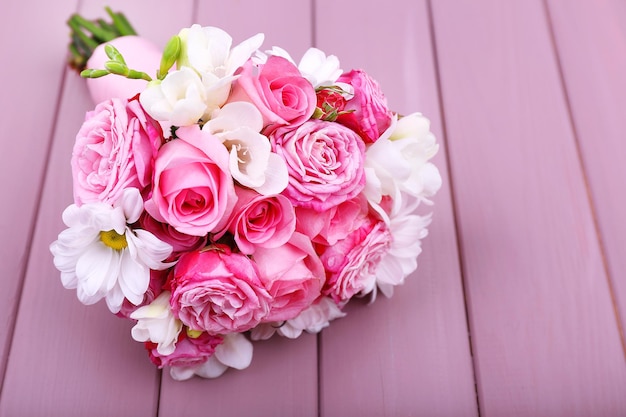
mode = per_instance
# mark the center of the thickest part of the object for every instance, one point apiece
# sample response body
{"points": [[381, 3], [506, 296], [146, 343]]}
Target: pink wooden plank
{"points": [[543, 328], [67, 359], [408, 355], [282, 380], [32, 73], [591, 44]]}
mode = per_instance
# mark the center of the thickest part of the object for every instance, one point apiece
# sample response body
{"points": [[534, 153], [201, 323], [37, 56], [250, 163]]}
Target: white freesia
{"points": [[156, 323], [398, 162], [208, 50], [206, 67], [102, 257], [407, 230], [252, 162], [234, 352], [312, 320], [318, 68], [315, 66], [180, 98]]}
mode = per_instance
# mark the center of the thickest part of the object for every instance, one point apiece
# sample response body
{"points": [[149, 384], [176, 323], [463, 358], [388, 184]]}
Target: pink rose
{"points": [[189, 351], [370, 116], [180, 242], [293, 275], [193, 190], [114, 150], [334, 224], [260, 221], [218, 291], [324, 161], [278, 90], [351, 263]]}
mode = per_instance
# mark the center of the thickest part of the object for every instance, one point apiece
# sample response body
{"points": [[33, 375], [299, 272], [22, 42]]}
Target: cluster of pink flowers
{"points": [[242, 195]]}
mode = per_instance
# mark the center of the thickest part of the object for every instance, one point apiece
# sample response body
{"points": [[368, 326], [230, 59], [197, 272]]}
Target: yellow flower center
{"points": [[113, 239], [194, 334]]}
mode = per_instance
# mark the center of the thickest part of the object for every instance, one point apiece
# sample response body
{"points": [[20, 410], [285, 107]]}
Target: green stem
{"points": [[86, 40], [99, 33], [120, 22], [108, 27], [130, 29]]}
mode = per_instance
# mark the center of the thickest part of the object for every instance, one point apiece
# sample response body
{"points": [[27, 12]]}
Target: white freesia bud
{"points": [[156, 323]]}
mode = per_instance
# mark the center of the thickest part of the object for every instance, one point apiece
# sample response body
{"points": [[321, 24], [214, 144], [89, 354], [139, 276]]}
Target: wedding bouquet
{"points": [[237, 195]]}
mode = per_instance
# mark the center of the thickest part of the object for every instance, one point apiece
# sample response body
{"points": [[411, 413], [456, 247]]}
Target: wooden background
{"points": [[519, 303]]}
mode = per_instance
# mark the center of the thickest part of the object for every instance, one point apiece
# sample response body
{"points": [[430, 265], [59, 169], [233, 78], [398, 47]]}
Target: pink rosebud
{"points": [[324, 161], [114, 150], [260, 221], [368, 114], [351, 263], [293, 275], [189, 351], [330, 103], [278, 90], [218, 291], [193, 190]]}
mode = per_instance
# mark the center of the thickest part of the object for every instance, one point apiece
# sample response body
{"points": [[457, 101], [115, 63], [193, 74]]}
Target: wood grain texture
{"points": [[28, 104], [68, 359], [408, 355], [282, 380], [591, 44], [543, 328]]}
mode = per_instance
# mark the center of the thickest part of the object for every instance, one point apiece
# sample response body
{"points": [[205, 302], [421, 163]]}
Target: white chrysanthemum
{"points": [[407, 230], [398, 162], [156, 323], [312, 320], [234, 352], [102, 257], [252, 162]]}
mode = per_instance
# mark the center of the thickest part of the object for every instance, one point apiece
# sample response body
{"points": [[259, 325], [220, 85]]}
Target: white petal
{"points": [[132, 204], [240, 53], [182, 373], [94, 268], [114, 299], [233, 116], [276, 176], [263, 331], [151, 251], [134, 278], [235, 351], [212, 368]]}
